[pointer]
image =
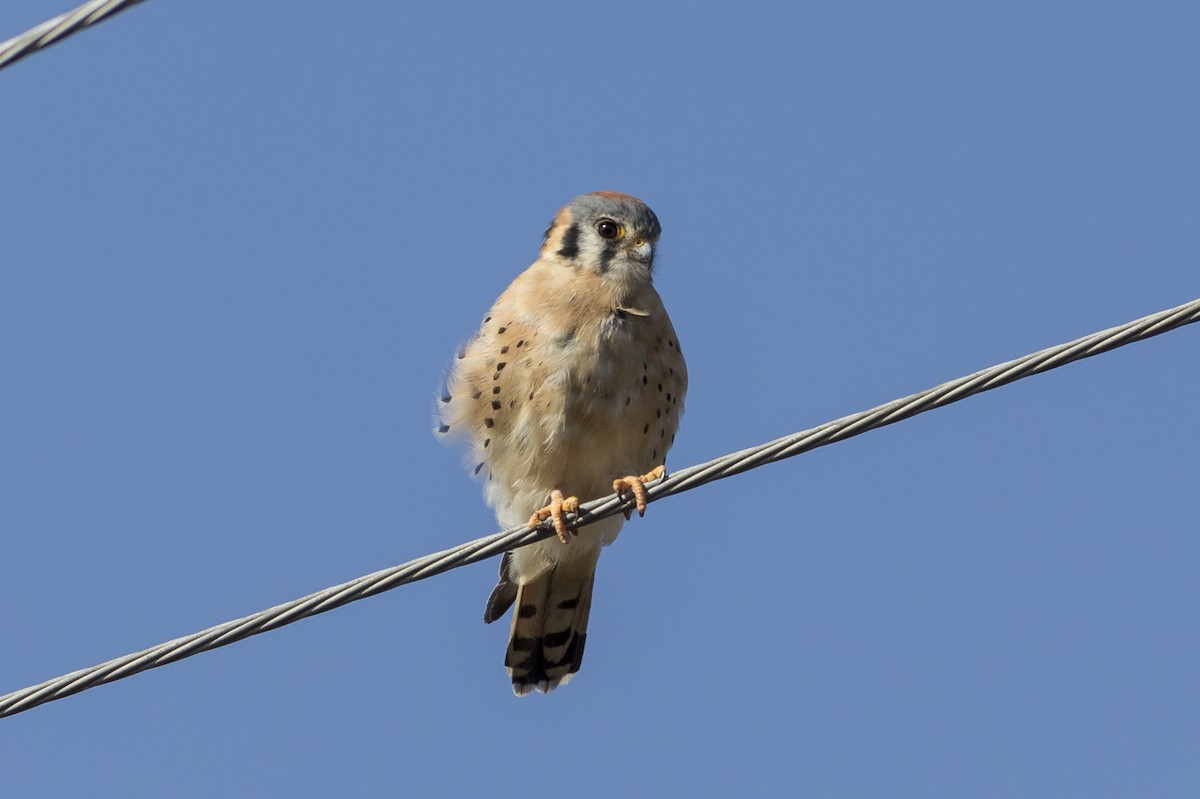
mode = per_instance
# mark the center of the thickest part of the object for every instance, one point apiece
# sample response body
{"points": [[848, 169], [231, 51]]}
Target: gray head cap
{"points": [[587, 208]]}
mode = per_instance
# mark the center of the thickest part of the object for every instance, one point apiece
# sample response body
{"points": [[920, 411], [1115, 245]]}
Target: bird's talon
{"points": [[559, 506], [636, 485]]}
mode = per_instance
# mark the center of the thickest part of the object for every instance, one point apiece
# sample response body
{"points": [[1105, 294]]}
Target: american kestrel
{"points": [[571, 389]]}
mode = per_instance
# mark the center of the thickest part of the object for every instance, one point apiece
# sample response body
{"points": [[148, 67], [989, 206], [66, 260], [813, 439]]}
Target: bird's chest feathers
{"points": [[600, 354], [593, 346]]}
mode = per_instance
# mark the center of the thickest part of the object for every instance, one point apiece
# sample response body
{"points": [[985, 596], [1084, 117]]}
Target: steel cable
{"points": [[674, 483]]}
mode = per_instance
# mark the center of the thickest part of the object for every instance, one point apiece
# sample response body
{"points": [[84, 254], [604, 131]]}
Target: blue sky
{"points": [[241, 242]]}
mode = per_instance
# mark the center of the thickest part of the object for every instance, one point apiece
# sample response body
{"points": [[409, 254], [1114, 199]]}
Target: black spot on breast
{"points": [[443, 428], [500, 366], [478, 467], [646, 429], [489, 422], [567, 604], [486, 441], [645, 380], [476, 394], [527, 611], [500, 331], [504, 349], [495, 389], [521, 343], [495, 405], [570, 242]]}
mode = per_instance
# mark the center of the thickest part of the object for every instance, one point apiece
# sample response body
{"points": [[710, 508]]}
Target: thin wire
{"points": [[55, 30], [677, 482]]}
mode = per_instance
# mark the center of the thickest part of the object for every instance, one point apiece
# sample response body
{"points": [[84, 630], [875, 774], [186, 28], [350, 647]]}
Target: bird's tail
{"points": [[549, 627]]}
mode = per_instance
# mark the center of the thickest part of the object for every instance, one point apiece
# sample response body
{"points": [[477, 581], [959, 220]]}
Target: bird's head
{"points": [[606, 232]]}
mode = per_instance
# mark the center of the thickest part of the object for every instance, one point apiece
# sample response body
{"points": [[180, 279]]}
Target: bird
{"points": [[572, 387]]}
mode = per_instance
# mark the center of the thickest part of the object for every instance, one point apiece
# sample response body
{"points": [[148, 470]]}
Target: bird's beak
{"points": [[642, 250]]}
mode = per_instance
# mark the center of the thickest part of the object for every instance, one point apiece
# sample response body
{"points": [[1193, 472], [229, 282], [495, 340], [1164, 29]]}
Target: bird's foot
{"points": [[636, 485], [556, 510]]}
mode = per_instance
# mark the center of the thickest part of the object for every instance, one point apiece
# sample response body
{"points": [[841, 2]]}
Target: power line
{"points": [[53, 31], [682, 480]]}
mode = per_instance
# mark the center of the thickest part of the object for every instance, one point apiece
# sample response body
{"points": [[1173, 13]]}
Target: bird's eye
{"points": [[608, 229]]}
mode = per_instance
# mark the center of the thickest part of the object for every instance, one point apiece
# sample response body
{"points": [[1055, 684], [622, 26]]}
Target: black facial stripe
{"points": [[607, 254], [570, 242]]}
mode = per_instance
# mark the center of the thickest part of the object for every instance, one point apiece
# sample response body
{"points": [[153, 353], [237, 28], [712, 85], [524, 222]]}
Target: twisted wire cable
{"points": [[682, 480], [52, 31]]}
